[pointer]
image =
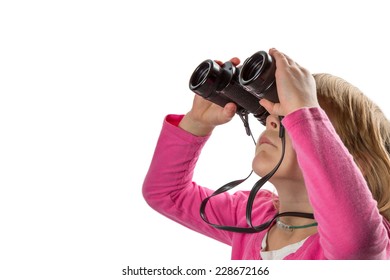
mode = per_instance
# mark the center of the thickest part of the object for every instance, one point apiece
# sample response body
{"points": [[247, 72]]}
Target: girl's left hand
{"points": [[296, 86]]}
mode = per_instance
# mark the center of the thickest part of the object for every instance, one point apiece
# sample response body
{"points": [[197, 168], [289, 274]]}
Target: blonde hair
{"points": [[364, 130]]}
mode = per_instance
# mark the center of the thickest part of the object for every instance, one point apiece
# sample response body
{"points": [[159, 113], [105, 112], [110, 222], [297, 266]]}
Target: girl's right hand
{"points": [[296, 86], [204, 115]]}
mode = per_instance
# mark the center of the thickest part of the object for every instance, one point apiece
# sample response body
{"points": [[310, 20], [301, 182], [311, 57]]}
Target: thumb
{"points": [[228, 112], [272, 108]]}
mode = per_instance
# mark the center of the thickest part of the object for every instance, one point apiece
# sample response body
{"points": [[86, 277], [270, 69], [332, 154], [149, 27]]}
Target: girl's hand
{"points": [[296, 86], [204, 115]]}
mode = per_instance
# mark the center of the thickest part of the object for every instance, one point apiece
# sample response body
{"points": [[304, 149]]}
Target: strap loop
{"points": [[252, 194]]}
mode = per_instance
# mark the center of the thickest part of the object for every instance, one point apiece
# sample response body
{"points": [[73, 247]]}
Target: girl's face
{"points": [[268, 153]]}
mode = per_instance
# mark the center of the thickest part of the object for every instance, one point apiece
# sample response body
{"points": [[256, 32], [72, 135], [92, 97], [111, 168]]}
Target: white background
{"points": [[84, 88]]}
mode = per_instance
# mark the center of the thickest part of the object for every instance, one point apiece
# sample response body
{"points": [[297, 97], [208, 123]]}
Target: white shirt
{"points": [[280, 253]]}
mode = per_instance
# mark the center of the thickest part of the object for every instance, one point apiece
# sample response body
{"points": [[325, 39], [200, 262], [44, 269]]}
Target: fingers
{"points": [[283, 59], [235, 61], [220, 63], [280, 58]]}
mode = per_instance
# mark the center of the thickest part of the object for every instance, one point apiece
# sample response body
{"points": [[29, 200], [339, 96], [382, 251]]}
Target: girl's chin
{"points": [[262, 170], [262, 165]]}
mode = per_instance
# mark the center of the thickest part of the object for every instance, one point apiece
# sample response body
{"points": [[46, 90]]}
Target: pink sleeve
{"points": [[168, 186], [349, 223]]}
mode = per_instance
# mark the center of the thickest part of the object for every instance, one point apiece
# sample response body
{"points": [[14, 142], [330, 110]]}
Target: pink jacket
{"points": [[349, 224]]}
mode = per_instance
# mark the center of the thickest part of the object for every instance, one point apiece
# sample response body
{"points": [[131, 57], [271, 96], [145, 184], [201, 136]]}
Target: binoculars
{"points": [[243, 85]]}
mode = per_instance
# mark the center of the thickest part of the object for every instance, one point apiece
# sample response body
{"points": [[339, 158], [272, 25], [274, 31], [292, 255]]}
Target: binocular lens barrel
{"points": [[205, 81], [200, 75], [258, 76], [252, 69]]}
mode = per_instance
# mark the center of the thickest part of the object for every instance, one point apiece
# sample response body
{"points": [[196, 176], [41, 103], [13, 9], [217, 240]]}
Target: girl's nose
{"points": [[272, 122]]}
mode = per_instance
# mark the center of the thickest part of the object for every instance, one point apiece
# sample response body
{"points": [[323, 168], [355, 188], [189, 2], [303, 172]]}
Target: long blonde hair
{"points": [[364, 130]]}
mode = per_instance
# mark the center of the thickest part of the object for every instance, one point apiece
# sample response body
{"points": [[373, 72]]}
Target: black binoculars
{"points": [[244, 85]]}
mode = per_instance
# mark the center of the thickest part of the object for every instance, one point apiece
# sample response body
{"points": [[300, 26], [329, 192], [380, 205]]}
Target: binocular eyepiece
{"points": [[244, 85]]}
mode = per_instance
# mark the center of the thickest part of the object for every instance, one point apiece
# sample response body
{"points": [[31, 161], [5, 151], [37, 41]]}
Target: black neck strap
{"points": [[252, 196]]}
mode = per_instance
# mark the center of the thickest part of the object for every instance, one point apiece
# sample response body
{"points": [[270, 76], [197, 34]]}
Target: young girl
{"points": [[336, 166]]}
